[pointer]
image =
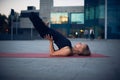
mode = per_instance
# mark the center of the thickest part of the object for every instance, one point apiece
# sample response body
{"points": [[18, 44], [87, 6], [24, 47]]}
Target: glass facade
{"points": [[77, 18], [59, 18], [86, 14], [113, 19], [96, 12], [101, 11], [91, 13], [68, 22], [64, 18], [95, 18]]}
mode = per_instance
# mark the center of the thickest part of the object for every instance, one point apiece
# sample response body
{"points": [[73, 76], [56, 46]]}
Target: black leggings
{"points": [[40, 26]]}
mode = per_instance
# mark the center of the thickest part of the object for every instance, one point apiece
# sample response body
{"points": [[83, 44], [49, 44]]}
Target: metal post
{"points": [[31, 32], [12, 17], [105, 19], [17, 26], [11, 27]]}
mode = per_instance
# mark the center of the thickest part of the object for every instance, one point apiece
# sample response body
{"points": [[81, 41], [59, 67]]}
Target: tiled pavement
{"points": [[107, 68]]}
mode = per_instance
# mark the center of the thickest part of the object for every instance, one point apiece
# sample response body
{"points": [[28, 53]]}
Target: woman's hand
{"points": [[48, 37]]}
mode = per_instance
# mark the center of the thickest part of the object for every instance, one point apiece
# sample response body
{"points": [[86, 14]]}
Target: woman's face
{"points": [[79, 47]]}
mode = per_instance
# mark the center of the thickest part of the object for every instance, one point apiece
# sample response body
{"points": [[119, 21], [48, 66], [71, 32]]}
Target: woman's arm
{"points": [[52, 50], [50, 38], [62, 52]]}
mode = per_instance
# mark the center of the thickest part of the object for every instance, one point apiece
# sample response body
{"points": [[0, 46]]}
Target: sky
{"points": [[18, 5]]}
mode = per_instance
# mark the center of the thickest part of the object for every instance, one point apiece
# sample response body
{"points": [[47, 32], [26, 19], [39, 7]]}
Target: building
{"points": [[103, 16], [26, 27], [24, 17], [113, 18], [96, 14], [65, 19]]}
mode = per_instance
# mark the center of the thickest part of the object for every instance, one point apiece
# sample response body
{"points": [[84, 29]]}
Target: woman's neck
{"points": [[74, 51]]}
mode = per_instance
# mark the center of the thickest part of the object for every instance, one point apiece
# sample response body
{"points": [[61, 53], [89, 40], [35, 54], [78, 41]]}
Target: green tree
{"points": [[3, 24]]}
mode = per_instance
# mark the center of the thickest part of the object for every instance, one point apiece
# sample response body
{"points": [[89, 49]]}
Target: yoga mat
{"points": [[45, 55]]}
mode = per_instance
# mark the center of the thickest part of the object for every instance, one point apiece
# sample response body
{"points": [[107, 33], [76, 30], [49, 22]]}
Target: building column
{"points": [[105, 19]]}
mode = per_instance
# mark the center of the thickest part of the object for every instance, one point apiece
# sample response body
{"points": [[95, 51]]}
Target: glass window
{"points": [[77, 18], [91, 13], [97, 12], [87, 14], [59, 18], [100, 11]]}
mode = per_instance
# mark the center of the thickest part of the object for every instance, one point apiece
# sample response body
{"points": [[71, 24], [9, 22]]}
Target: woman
{"points": [[91, 34], [64, 45]]}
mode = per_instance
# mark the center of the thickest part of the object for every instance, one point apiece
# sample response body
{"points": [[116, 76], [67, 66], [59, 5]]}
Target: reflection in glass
{"points": [[59, 18], [91, 13], [100, 11], [86, 14], [97, 12], [77, 18]]}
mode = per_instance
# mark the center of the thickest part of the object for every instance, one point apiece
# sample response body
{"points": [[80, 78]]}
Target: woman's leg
{"points": [[42, 28], [38, 24]]}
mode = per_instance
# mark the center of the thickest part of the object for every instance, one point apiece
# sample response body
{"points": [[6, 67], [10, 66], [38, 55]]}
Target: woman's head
{"points": [[81, 49]]}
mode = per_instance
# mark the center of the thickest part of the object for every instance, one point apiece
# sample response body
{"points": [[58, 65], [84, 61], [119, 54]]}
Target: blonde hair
{"points": [[86, 51]]}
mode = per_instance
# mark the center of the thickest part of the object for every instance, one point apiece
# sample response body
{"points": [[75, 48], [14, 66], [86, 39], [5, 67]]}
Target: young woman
{"points": [[64, 45]]}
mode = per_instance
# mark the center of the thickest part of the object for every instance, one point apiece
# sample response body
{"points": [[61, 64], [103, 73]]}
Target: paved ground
{"points": [[60, 68]]}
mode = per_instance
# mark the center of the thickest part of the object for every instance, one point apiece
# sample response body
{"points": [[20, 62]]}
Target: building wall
{"points": [[24, 17], [68, 9], [25, 23], [45, 9]]}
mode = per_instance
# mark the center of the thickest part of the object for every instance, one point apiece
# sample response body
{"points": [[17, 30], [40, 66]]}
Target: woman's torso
{"points": [[60, 40], [68, 51]]}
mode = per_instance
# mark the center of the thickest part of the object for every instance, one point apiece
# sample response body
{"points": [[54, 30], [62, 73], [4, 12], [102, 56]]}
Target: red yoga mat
{"points": [[45, 55]]}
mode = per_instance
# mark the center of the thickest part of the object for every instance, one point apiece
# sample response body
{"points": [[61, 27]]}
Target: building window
{"points": [[87, 14], [91, 13], [97, 12], [100, 11], [59, 18], [77, 18]]}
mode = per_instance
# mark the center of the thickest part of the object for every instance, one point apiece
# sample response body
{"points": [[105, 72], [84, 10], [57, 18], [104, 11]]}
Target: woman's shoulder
{"points": [[66, 50]]}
